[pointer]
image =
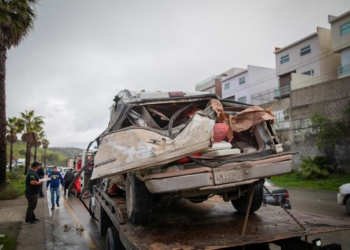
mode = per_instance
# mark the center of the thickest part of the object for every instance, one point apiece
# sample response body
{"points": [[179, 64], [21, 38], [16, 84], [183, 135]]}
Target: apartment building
{"points": [[340, 30], [241, 86], [311, 58], [213, 83]]}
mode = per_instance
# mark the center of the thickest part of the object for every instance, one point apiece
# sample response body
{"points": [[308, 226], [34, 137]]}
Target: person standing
{"points": [[54, 182], [68, 178], [32, 192], [41, 175]]}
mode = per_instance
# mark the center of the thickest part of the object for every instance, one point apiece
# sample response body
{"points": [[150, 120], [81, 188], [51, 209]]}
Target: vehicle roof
{"points": [[129, 96]]}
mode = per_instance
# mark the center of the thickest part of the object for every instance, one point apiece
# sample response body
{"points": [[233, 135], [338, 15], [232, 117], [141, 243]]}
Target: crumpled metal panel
{"points": [[129, 150]]}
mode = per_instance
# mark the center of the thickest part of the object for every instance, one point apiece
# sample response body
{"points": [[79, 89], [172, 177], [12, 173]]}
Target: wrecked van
{"points": [[161, 146]]}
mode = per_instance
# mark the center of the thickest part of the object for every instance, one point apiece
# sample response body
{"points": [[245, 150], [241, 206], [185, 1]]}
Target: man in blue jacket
{"points": [[54, 182]]}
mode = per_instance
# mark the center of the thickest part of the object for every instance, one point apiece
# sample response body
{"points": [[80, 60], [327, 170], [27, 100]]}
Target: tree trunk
{"points": [[45, 157], [27, 159], [11, 155], [3, 156], [35, 152]]}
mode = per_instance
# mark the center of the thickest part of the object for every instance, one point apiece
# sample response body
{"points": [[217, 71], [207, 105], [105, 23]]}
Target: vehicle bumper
{"points": [[340, 198], [207, 178]]}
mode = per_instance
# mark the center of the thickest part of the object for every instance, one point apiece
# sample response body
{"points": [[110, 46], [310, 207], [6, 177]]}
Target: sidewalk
{"points": [[33, 236]]}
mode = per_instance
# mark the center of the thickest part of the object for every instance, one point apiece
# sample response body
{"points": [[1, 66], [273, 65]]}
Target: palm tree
{"points": [[13, 127], [45, 143], [16, 20], [31, 123], [40, 135]]}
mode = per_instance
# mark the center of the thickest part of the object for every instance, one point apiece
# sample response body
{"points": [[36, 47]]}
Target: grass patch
{"points": [[15, 187], [294, 179], [11, 231]]}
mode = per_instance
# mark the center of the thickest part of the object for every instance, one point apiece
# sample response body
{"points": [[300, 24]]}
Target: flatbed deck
{"points": [[213, 224]]}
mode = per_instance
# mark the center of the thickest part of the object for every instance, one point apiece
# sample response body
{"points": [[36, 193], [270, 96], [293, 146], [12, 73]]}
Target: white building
{"points": [[340, 29], [239, 87], [311, 56], [213, 83]]}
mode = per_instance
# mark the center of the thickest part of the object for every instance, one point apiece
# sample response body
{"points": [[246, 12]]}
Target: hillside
{"points": [[70, 153], [52, 157]]}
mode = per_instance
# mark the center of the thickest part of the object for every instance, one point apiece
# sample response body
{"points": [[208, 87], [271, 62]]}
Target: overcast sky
{"points": [[83, 52]]}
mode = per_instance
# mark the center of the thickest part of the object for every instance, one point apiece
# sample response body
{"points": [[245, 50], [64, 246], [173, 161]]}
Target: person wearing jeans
{"points": [[54, 182]]}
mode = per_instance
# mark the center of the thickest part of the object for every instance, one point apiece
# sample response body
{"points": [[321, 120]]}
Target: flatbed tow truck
{"points": [[213, 224]]}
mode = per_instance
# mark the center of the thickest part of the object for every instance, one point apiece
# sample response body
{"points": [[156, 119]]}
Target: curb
{"points": [[49, 244]]}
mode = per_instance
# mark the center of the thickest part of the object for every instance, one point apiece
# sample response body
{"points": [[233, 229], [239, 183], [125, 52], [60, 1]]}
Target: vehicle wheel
{"points": [[112, 240], [198, 199], [347, 204], [241, 204], [139, 200]]}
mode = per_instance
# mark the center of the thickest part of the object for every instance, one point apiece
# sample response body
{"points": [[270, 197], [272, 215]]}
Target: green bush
{"points": [[316, 168], [15, 186]]}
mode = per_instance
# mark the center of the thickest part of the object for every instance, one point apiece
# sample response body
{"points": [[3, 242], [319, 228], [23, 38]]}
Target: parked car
{"points": [[343, 196], [280, 193], [190, 145], [49, 170]]}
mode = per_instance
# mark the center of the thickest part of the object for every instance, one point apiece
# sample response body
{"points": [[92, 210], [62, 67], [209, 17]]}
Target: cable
{"points": [[318, 58]]}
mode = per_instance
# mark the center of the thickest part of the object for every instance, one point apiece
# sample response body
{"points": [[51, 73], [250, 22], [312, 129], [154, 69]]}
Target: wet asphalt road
{"points": [[74, 229]]}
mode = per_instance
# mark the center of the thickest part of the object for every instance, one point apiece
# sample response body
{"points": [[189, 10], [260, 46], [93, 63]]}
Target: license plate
{"points": [[227, 175]]}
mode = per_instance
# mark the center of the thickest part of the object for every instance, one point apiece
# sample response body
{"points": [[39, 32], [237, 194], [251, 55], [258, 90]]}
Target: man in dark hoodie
{"points": [[55, 179]]}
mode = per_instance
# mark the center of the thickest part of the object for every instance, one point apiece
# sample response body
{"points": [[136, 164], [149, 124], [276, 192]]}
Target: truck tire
{"points": [[139, 200], [241, 204], [347, 204], [112, 240]]}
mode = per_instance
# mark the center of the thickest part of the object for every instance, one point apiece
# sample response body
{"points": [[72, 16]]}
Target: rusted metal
{"points": [[247, 214], [215, 225]]}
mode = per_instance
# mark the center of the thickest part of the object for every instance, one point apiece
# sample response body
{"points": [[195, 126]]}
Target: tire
{"points": [[112, 240], [347, 204], [139, 200], [241, 204]]}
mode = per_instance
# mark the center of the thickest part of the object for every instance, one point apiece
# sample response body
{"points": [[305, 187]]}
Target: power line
{"points": [[319, 57]]}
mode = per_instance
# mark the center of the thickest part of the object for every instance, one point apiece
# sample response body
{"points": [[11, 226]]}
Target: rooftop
{"points": [[332, 19], [299, 41]]}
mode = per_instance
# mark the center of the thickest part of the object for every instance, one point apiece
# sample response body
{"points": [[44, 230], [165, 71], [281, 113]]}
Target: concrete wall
{"points": [[339, 42], [329, 99], [329, 61]]}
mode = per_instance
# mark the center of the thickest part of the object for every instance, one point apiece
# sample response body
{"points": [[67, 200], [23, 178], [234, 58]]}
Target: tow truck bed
{"points": [[213, 224]]}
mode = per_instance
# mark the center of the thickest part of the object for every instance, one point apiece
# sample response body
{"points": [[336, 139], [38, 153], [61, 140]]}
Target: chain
{"points": [[285, 209], [247, 214]]}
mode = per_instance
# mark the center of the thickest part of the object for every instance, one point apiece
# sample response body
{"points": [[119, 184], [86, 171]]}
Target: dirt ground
{"points": [[11, 218]]}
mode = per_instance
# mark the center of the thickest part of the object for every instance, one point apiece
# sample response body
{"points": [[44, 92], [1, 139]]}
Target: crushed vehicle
{"points": [[160, 146]]}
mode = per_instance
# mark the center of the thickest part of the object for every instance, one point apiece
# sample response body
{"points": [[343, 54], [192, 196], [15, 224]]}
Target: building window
{"points": [[310, 72], [279, 115], [242, 99], [284, 59], [227, 86], [345, 28], [305, 50], [241, 80]]}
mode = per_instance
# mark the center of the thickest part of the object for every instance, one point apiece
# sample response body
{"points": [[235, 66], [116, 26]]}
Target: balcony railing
{"points": [[208, 80], [344, 70], [282, 92]]}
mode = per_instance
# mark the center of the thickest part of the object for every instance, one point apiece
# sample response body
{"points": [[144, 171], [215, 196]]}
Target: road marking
{"points": [[86, 236]]}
